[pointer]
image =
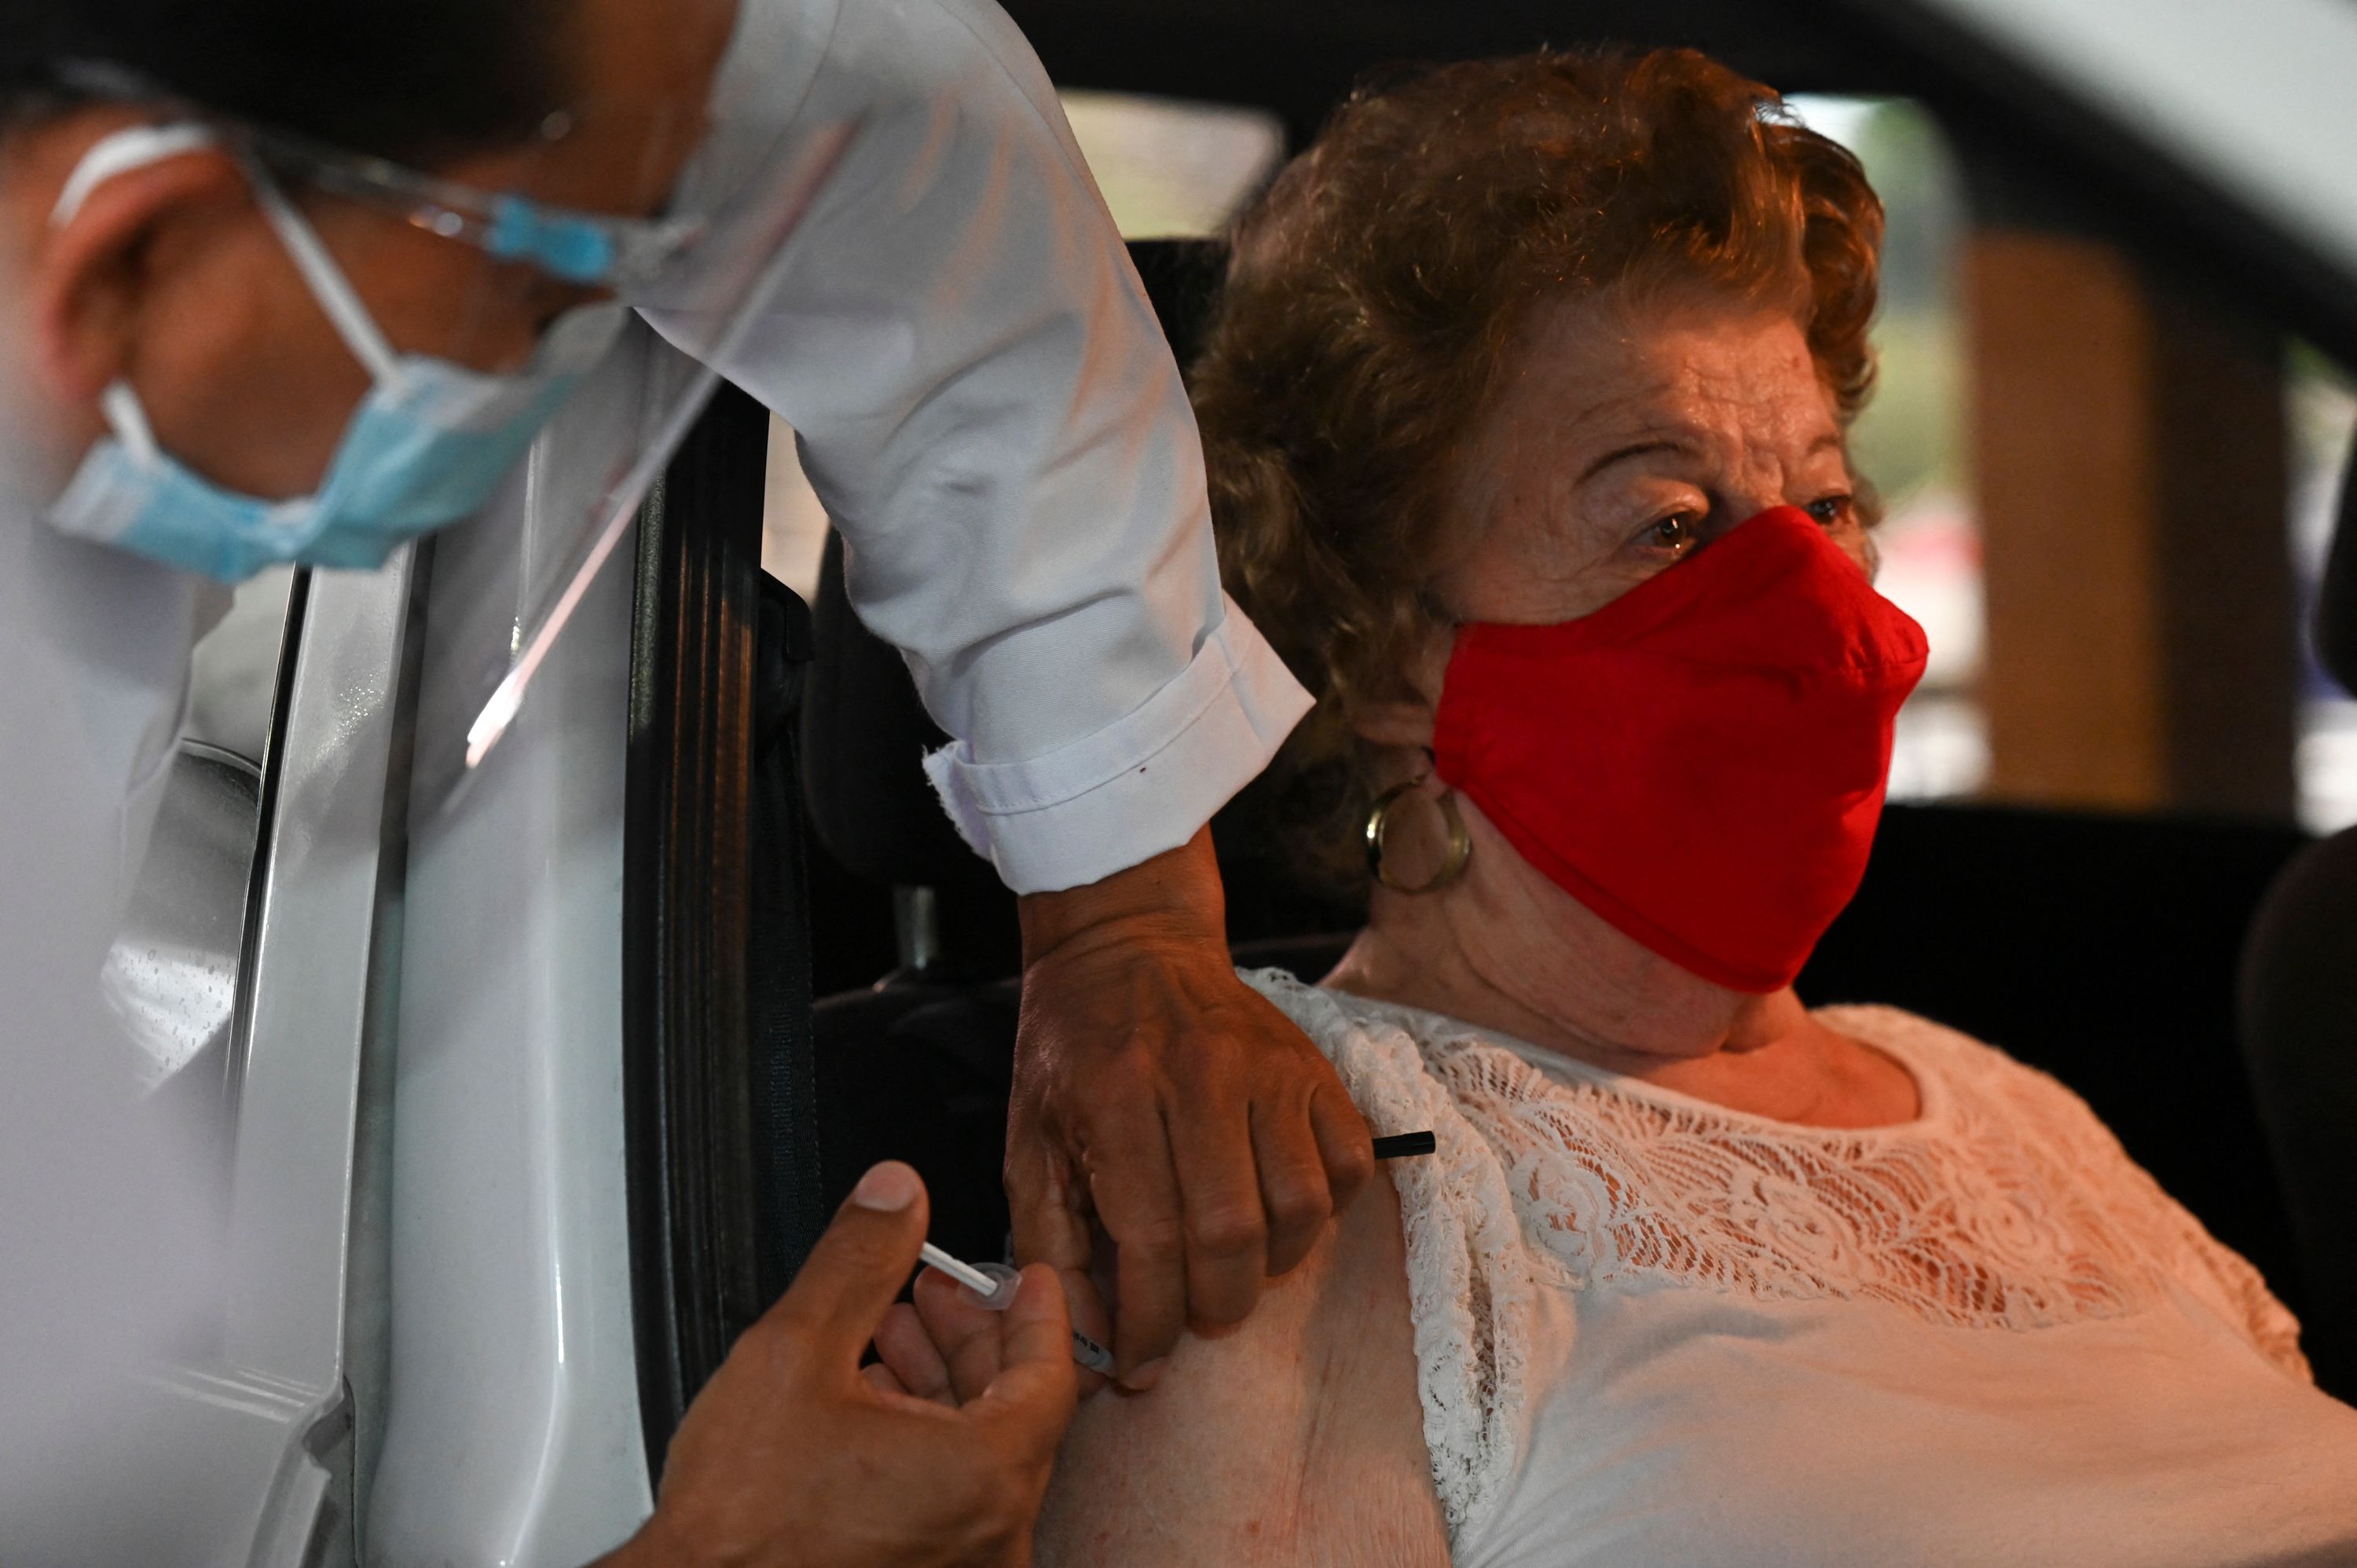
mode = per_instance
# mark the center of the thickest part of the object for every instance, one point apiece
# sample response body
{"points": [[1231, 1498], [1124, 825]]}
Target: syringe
{"points": [[994, 1284]]}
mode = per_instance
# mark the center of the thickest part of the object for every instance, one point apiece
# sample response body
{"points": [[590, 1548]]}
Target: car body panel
{"points": [[512, 1433], [244, 1444]]}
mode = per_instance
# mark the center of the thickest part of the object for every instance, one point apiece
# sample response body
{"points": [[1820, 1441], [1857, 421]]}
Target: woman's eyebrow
{"points": [[1634, 449]]}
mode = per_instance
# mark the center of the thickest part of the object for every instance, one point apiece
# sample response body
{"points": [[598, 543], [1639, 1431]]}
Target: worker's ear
{"points": [[90, 276]]}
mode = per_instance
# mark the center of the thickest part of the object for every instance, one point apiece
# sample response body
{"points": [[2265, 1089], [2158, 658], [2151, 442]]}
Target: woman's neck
{"points": [[1508, 950]]}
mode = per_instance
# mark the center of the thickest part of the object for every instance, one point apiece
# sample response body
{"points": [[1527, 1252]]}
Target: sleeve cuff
{"points": [[1137, 788]]}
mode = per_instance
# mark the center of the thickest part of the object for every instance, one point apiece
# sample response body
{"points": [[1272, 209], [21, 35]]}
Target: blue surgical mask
{"points": [[428, 446]]}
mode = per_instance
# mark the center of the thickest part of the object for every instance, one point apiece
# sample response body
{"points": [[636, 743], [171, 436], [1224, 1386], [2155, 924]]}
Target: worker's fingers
{"points": [[1052, 1224], [1085, 1300], [910, 1354], [965, 1332], [1037, 1330], [1048, 1206], [1225, 1223], [1348, 1147], [1135, 1191], [1030, 1401], [838, 1300], [878, 1376], [1292, 1177]]}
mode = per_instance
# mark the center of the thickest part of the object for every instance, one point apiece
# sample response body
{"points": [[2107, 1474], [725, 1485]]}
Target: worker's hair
{"points": [[1373, 302], [414, 80]]}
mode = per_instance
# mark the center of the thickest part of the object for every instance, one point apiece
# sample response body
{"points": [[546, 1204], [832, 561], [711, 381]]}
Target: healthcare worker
{"points": [[300, 279]]}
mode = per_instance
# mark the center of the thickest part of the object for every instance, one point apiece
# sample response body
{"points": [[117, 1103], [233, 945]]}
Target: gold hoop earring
{"points": [[1460, 842]]}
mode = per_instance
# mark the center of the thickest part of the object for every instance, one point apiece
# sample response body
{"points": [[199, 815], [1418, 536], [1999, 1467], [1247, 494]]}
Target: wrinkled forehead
{"points": [[1590, 364]]}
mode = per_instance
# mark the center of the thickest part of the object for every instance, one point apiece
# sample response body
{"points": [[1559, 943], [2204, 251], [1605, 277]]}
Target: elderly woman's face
{"points": [[1628, 436], [1631, 435]]}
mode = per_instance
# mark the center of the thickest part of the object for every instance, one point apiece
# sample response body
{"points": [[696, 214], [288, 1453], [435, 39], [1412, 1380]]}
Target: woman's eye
{"points": [[1675, 534], [1831, 510]]}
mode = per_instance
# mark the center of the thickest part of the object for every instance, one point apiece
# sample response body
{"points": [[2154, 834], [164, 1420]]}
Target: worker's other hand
{"points": [[1158, 1093], [791, 1455]]}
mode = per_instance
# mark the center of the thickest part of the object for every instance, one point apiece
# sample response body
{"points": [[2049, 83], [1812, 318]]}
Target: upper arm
{"points": [[1296, 1439]]}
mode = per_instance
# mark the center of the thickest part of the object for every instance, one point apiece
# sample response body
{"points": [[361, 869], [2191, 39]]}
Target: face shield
{"points": [[468, 293], [584, 481]]}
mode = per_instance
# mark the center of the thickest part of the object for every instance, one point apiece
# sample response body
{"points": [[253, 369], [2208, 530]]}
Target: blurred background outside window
{"points": [[2322, 411], [1910, 442]]}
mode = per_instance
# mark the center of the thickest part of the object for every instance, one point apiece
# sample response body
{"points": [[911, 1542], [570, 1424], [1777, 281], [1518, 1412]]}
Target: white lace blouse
{"points": [[1652, 1330]]}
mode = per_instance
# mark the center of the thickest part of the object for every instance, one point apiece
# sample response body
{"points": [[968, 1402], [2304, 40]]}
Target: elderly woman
{"points": [[1525, 416]]}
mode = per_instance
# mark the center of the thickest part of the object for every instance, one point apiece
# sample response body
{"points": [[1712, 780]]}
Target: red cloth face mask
{"points": [[1702, 761]]}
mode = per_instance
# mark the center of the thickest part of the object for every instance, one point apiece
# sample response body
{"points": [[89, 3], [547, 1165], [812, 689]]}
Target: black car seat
{"points": [[2103, 949], [2300, 1021]]}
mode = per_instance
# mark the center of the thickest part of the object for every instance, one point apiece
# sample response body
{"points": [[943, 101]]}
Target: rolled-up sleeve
{"points": [[987, 408]]}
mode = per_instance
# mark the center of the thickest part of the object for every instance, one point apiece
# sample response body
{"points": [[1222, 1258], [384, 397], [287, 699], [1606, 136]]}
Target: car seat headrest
{"points": [[865, 736], [1182, 280]]}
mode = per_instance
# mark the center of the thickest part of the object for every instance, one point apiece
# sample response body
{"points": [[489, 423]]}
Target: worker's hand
{"points": [[791, 1455], [1158, 1093], [949, 1348]]}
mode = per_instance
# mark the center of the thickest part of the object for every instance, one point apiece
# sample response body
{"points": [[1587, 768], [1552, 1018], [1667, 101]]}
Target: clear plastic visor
{"points": [[578, 491]]}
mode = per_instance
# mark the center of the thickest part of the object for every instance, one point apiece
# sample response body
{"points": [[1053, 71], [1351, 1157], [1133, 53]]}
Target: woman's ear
{"points": [[1407, 724], [88, 278], [1409, 719]]}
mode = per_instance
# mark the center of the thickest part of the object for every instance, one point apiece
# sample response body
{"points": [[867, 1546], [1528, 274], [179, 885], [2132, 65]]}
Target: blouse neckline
{"points": [[1933, 1108]]}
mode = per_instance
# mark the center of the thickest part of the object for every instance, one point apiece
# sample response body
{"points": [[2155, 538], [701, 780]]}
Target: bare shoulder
{"points": [[1296, 1438]]}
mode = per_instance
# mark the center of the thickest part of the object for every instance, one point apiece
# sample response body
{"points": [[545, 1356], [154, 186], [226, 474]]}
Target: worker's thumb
{"points": [[857, 1267], [1033, 1394]]}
